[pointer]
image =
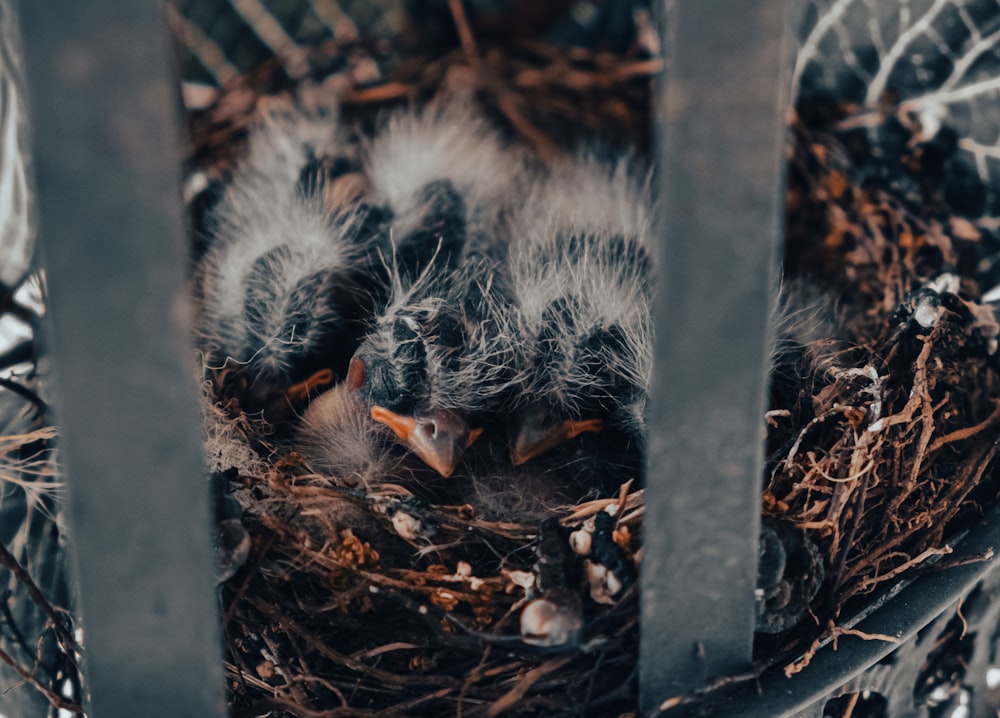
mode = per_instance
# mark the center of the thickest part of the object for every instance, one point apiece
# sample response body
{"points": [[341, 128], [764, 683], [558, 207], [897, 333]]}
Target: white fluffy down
{"points": [[443, 142], [337, 437], [608, 205], [262, 210], [448, 142]]}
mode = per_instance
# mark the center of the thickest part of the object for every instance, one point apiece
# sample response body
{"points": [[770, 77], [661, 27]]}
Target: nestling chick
{"points": [[309, 244], [283, 283], [448, 180], [438, 361], [581, 276], [430, 367], [338, 437]]}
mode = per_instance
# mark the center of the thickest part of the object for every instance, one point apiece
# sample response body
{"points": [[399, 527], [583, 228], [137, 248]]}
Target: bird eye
{"points": [[355, 374]]}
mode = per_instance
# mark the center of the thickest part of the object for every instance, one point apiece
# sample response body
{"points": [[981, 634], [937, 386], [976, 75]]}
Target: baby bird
{"points": [[581, 276], [283, 283], [338, 437], [432, 363], [401, 371]]}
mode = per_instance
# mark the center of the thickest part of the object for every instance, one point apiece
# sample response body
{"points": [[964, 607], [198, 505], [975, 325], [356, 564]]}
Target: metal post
{"points": [[906, 610], [107, 169], [721, 171]]}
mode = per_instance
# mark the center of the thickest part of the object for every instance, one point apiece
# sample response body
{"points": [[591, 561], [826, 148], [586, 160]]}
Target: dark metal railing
{"points": [[899, 615], [721, 139], [107, 169]]}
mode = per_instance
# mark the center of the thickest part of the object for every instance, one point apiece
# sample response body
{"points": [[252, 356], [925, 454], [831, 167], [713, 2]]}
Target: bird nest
{"points": [[880, 446], [321, 622]]}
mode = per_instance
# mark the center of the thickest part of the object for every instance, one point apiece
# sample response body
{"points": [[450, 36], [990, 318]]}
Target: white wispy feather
{"points": [[448, 143], [806, 320], [466, 377], [337, 437], [451, 142], [268, 237], [603, 278]]}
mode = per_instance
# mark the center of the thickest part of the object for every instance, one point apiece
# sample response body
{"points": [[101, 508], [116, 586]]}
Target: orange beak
{"points": [[439, 439], [536, 431]]}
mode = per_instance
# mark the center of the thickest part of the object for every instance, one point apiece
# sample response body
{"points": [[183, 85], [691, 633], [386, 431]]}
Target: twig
{"points": [[851, 705], [386, 678], [916, 561], [380, 93], [968, 432], [475, 675], [707, 689], [25, 393], [524, 683], [9, 619], [65, 637], [465, 33], [53, 698], [510, 105], [838, 631]]}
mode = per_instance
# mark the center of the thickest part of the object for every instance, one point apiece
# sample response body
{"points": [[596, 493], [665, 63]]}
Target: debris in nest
{"points": [[887, 446], [879, 449], [548, 95], [352, 603], [40, 642], [789, 576]]}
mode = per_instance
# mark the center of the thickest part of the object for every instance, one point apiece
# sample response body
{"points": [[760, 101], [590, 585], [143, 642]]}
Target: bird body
{"points": [[545, 332], [428, 364], [282, 284], [318, 233], [444, 146], [581, 278]]}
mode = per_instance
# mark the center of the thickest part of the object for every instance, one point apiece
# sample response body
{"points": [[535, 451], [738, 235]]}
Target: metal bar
{"points": [[721, 171], [906, 613], [107, 172]]}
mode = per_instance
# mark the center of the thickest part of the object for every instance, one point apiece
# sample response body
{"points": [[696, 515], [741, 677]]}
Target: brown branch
{"points": [[524, 683], [709, 688], [510, 105], [915, 561], [968, 432], [58, 620], [380, 93], [54, 699], [838, 631], [385, 678], [465, 33]]}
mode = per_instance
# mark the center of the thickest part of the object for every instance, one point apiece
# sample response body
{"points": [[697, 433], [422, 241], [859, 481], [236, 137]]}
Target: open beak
{"points": [[535, 431], [439, 439]]}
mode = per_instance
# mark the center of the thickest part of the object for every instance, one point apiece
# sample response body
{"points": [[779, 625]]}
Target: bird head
{"points": [[408, 370]]}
